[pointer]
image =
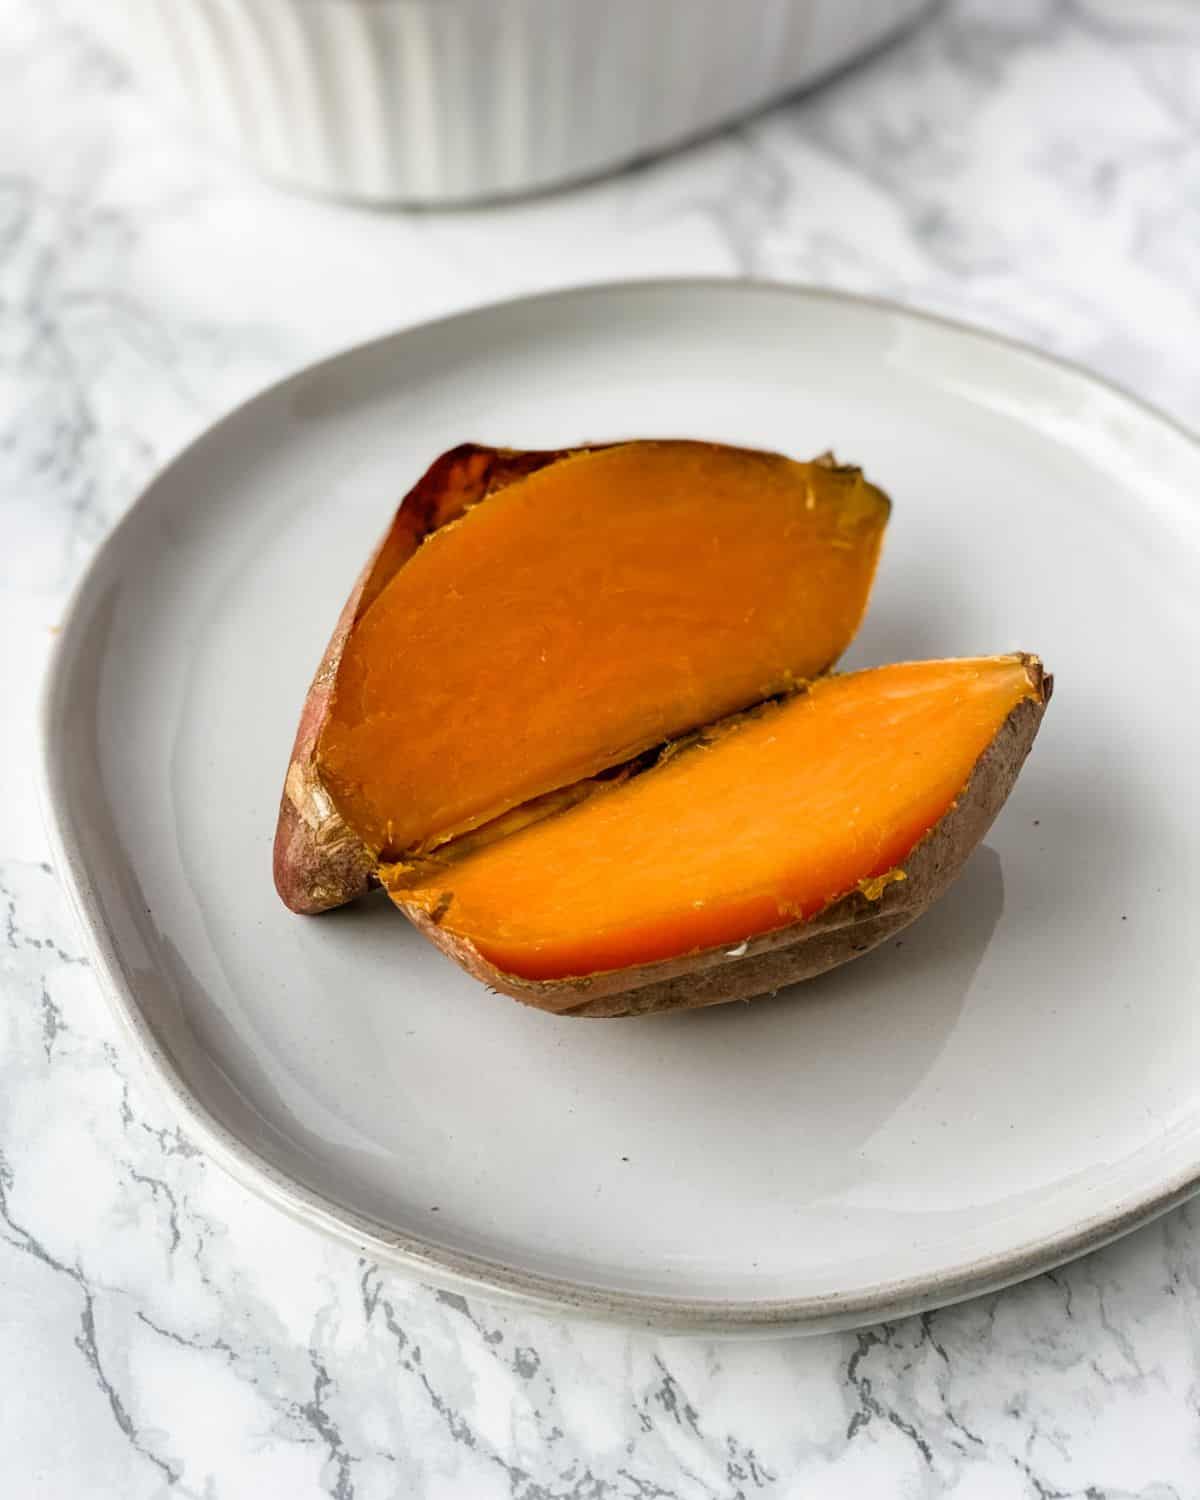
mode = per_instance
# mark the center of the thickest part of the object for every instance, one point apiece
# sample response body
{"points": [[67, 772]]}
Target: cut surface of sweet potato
{"points": [[609, 601], [764, 823]]}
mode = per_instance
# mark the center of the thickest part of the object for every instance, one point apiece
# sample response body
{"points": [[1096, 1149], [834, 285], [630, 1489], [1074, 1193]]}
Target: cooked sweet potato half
{"points": [[532, 621], [774, 846]]}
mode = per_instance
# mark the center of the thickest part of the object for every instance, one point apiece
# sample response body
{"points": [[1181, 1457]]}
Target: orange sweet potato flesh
{"points": [[599, 606], [764, 825]]}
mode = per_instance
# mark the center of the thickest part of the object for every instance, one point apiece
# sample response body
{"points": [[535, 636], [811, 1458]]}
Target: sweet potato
{"points": [[697, 883], [574, 717]]}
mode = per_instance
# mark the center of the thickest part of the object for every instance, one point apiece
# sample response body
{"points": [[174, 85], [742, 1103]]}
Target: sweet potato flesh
{"points": [[587, 612], [760, 825]]}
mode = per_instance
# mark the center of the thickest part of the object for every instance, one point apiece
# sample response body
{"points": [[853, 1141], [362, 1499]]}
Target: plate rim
{"points": [[445, 1267]]}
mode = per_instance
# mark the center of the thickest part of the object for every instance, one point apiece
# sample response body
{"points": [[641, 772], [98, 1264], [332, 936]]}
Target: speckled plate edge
{"points": [[473, 1275]]}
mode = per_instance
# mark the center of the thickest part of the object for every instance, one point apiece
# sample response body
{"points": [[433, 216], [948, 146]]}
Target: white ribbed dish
{"points": [[449, 100]]}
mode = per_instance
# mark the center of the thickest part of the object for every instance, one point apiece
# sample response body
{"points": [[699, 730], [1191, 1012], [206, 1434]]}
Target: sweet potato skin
{"points": [[843, 931], [319, 862]]}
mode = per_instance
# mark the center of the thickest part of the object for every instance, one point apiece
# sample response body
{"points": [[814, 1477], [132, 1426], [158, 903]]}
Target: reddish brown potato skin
{"points": [[843, 931], [319, 862]]}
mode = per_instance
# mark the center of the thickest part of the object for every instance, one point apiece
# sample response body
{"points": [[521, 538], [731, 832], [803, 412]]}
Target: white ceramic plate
{"points": [[1016, 1082]]}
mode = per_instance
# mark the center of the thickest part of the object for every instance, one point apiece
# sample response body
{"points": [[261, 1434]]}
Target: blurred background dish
{"points": [[442, 101]]}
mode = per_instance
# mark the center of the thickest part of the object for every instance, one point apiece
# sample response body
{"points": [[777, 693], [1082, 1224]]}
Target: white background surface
{"points": [[1033, 166]]}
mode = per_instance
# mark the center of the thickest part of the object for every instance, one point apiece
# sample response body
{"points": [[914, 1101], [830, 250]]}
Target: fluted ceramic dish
{"points": [[440, 101], [1014, 1081]]}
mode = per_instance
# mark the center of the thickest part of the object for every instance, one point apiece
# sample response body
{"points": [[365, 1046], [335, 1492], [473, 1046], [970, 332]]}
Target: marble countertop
{"points": [[1032, 165]]}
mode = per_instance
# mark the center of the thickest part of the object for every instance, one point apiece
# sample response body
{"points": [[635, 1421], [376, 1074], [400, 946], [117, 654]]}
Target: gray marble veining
{"points": [[1033, 166]]}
